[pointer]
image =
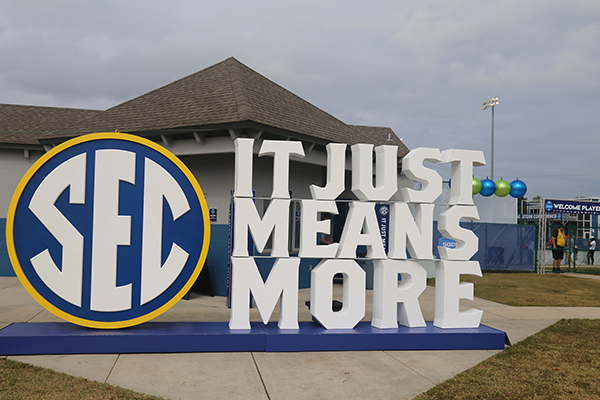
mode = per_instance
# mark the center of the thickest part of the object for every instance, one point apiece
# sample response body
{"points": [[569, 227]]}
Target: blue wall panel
{"points": [[506, 247], [5, 266], [218, 265], [217, 258]]}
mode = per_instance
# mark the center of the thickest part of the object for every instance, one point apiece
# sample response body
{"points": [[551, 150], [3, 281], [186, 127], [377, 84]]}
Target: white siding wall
{"points": [[13, 166], [215, 174], [301, 177]]}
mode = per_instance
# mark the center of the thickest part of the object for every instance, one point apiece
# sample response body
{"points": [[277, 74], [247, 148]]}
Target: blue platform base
{"points": [[182, 337]]}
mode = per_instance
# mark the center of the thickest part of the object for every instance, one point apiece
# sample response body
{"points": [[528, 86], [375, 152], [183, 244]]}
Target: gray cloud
{"points": [[420, 67]]}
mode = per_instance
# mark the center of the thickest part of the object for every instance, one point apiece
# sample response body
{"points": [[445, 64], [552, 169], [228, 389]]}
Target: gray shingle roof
{"points": [[379, 136], [223, 94], [20, 124], [227, 92]]}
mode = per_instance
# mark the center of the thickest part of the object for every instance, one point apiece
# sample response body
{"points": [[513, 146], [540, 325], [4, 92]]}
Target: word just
{"points": [[392, 302]]}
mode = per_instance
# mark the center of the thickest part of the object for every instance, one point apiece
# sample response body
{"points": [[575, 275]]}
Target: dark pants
{"points": [[558, 253], [591, 256]]}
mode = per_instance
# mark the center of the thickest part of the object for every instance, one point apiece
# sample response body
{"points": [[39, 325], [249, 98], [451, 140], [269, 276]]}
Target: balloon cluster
{"points": [[501, 188]]}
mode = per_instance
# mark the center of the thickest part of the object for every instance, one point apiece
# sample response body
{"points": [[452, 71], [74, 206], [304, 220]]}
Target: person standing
{"points": [[558, 249], [591, 250], [568, 248]]}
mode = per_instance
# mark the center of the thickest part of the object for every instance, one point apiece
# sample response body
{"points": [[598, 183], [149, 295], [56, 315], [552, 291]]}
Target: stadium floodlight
{"points": [[487, 104]]}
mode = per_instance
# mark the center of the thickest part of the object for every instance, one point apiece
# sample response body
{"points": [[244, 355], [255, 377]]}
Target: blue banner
{"points": [[383, 217], [572, 207], [550, 216]]}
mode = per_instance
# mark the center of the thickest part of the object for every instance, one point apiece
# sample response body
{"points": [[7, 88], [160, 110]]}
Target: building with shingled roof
{"points": [[197, 117]]}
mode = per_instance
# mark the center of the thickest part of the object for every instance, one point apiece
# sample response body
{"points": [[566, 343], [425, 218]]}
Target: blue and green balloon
{"points": [[518, 188], [500, 188], [476, 186]]}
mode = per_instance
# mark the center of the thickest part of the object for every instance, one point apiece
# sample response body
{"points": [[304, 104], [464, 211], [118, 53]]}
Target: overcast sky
{"points": [[422, 68]]}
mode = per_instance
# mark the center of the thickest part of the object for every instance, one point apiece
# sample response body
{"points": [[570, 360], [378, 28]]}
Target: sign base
{"points": [[184, 337]]}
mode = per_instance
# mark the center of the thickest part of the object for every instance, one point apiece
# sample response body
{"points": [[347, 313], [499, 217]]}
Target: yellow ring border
{"points": [[17, 196]]}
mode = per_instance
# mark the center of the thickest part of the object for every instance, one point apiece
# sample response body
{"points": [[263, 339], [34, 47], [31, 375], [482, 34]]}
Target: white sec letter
{"points": [[159, 184], [110, 230], [66, 282]]}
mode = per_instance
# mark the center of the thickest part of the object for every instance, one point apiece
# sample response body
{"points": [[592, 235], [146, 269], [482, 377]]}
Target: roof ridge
{"points": [[48, 107], [238, 88]]}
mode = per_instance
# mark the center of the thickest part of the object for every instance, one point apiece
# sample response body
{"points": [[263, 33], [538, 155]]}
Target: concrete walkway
{"points": [[285, 376]]}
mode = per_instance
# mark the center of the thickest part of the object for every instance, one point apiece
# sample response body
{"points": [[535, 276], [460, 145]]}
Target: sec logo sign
{"points": [[108, 230]]}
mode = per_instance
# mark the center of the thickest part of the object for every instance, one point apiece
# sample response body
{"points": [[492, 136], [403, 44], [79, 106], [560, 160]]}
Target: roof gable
{"points": [[227, 92], [223, 96]]}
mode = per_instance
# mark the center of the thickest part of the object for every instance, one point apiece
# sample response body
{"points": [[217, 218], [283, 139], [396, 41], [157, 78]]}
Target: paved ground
{"points": [[285, 376]]}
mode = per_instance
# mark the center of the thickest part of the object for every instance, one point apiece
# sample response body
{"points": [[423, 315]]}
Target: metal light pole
{"points": [[487, 104]]}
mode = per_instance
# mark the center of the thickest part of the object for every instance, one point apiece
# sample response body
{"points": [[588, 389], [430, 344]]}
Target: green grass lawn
{"points": [[586, 269], [560, 362], [530, 289]]}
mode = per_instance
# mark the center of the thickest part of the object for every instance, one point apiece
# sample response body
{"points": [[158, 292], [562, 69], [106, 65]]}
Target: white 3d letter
{"points": [[276, 220], [361, 218], [310, 228], [462, 162], [281, 152], [431, 181], [393, 302], [418, 231], [243, 167], [282, 282], [336, 162], [362, 172], [449, 291], [467, 243], [321, 294]]}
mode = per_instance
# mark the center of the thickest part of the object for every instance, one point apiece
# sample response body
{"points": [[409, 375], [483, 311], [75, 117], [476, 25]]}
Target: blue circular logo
{"points": [[384, 211], [549, 206], [108, 230]]}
